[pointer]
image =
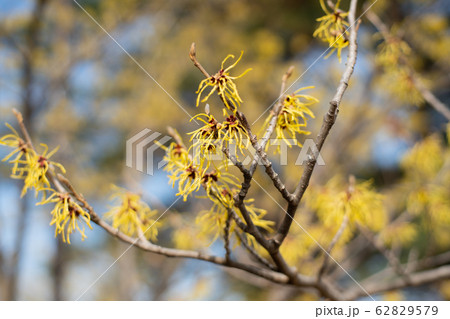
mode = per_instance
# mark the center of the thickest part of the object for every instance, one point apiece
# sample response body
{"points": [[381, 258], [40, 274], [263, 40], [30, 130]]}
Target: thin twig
{"points": [[328, 121], [226, 238], [24, 130], [193, 56], [416, 279]]}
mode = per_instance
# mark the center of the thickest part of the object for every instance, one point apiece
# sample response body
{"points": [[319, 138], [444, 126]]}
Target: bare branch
{"points": [[23, 129], [328, 121], [193, 57], [226, 238], [416, 279]]}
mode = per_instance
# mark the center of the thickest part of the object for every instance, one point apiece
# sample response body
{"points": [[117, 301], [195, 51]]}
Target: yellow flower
{"points": [[206, 140], [223, 83], [405, 89], [292, 118], [332, 29], [34, 171], [218, 185], [214, 135], [359, 202], [176, 152], [403, 233], [235, 133], [424, 160], [257, 216], [65, 216], [22, 152], [132, 216], [391, 51], [212, 222], [182, 169], [188, 176], [185, 238], [394, 57]]}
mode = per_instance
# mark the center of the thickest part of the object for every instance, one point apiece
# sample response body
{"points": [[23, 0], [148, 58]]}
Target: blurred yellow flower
{"points": [[359, 202], [404, 90], [401, 233], [21, 150], [391, 52], [132, 216], [425, 159]]}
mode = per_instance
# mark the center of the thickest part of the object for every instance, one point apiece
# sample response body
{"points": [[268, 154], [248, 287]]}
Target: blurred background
{"points": [[78, 89]]}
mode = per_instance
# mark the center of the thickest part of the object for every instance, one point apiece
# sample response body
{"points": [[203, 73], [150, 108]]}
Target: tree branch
{"points": [[328, 121], [417, 279]]}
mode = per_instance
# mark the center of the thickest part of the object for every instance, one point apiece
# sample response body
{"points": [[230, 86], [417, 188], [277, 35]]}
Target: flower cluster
{"points": [[223, 83], [292, 118], [191, 176], [182, 169], [33, 168], [211, 138], [235, 132], [207, 139], [132, 216], [193, 168], [66, 216], [21, 149], [35, 171], [28, 165], [392, 51], [393, 57], [332, 29], [425, 189], [219, 185], [359, 202]]}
